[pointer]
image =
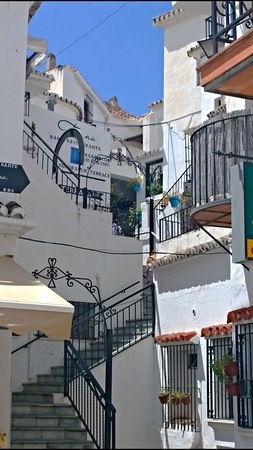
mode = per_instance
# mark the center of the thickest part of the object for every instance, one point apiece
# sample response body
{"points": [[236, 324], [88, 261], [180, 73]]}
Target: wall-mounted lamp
{"points": [[207, 46]]}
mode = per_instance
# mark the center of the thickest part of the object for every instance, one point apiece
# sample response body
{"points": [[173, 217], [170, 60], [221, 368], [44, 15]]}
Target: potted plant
{"points": [[155, 188], [175, 199], [135, 183], [164, 396], [175, 397], [186, 398], [225, 369], [165, 199]]}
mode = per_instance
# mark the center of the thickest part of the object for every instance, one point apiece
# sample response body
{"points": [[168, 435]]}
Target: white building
{"points": [[197, 284]]}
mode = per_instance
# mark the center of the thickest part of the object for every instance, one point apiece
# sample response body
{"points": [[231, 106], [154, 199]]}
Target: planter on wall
{"points": [[136, 187], [186, 399], [163, 398], [233, 389], [232, 369], [174, 201]]}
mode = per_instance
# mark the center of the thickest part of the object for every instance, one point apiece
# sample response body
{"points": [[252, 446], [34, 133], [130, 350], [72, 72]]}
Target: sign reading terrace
{"points": [[12, 178]]}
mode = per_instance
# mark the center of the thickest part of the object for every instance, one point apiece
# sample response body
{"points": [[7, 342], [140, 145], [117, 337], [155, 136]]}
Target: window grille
{"points": [[219, 403], [179, 364], [27, 104], [244, 347]]}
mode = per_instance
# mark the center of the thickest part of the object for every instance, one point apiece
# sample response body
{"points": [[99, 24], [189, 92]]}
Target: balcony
{"points": [[216, 146], [229, 72]]}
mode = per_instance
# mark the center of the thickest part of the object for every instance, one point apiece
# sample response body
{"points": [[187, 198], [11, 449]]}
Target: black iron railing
{"points": [[222, 25], [244, 347], [131, 319], [85, 394], [213, 147], [179, 365], [219, 403]]}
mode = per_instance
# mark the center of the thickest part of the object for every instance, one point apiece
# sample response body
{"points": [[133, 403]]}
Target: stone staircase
{"points": [[43, 419]]}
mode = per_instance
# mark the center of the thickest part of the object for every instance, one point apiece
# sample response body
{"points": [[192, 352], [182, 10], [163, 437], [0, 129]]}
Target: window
{"points": [[88, 109], [219, 404], [179, 364], [154, 179]]}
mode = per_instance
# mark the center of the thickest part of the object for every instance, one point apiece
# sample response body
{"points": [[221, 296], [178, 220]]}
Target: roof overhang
{"points": [[26, 304], [230, 71]]}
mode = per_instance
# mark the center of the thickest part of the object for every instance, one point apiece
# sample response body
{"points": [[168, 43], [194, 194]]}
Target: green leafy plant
{"points": [[219, 366], [130, 220], [155, 188], [133, 181], [176, 397]]}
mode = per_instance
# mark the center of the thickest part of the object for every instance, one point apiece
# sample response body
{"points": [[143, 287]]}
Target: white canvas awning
{"points": [[26, 304]]}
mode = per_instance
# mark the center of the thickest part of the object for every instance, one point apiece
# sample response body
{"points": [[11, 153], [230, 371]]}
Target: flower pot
{"points": [[186, 399], [163, 398], [175, 400], [232, 369], [136, 187], [174, 201], [233, 389]]}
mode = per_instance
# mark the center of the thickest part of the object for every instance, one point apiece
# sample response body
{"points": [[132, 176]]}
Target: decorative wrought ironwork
{"points": [[52, 273], [226, 16]]}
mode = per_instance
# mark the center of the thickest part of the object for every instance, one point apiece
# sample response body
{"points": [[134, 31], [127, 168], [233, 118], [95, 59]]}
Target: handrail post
{"points": [[108, 387]]}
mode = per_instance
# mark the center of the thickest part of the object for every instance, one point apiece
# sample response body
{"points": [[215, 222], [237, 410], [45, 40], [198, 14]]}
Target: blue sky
{"points": [[114, 45]]}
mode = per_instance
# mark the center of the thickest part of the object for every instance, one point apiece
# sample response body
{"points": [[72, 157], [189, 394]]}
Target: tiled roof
{"points": [[216, 330], [180, 336], [191, 251], [115, 110], [240, 314]]}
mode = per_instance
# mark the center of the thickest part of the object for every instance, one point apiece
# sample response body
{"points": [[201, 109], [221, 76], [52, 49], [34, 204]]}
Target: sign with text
{"points": [[12, 178]]}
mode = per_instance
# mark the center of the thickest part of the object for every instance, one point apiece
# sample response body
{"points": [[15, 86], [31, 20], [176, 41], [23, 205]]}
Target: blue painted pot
{"points": [[174, 201]]}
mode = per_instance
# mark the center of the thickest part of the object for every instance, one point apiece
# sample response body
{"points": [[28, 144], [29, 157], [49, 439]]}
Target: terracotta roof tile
{"points": [[179, 336], [240, 314], [216, 330], [115, 110]]}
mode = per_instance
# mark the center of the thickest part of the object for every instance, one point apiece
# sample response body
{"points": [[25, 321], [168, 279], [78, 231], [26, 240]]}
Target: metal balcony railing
{"points": [[228, 21], [216, 146]]}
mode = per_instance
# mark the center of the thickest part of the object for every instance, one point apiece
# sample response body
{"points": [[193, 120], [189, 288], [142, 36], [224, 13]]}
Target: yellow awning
{"points": [[26, 304]]}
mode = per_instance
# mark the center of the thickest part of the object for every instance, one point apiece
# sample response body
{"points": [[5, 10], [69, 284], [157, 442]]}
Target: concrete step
{"points": [[44, 421], [38, 398], [50, 379], [33, 434], [51, 445], [43, 410], [36, 388]]}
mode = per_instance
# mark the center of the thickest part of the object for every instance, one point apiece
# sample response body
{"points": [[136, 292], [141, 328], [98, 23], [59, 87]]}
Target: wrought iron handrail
{"points": [[178, 186], [175, 224], [131, 318], [222, 25], [45, 158], [88, 399]]}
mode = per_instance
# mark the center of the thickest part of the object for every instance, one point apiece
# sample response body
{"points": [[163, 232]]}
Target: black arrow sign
{"points": [[12, 178]]}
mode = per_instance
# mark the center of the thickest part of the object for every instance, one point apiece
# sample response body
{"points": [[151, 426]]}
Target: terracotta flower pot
{"points": [[232, 369], [175, 400], [163, 398], [233, 389], [186, 399]]}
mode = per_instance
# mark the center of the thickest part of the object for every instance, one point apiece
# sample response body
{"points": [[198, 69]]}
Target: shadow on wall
{"points": [[200, 270]]}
